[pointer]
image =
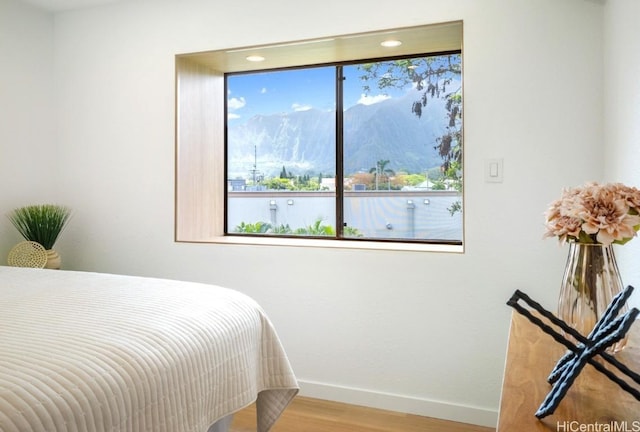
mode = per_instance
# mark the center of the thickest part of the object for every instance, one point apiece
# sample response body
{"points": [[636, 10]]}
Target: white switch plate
{"points": [[493, 170]]}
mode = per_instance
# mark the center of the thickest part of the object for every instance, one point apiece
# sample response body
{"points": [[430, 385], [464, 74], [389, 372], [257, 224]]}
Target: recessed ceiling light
{"points": [[255, 58], [391, 43]]}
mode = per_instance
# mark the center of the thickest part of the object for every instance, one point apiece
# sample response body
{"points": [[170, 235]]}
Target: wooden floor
{"points": [[314, 415]]}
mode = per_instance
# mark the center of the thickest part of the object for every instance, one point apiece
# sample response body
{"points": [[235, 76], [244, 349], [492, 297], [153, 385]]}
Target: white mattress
{"points": [[96, 352]]}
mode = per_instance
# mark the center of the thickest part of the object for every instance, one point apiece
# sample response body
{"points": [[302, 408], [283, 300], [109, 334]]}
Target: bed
{"points": [[84, 351]]}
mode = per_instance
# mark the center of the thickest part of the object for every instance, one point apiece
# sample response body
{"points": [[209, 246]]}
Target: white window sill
{"points": [[335, 244]]}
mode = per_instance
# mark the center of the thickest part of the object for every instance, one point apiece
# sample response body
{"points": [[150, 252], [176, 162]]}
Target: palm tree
{"points": [[380, 170]]}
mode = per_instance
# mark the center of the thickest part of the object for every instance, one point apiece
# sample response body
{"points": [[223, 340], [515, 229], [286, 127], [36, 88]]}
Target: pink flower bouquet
{"points": [[595, 213]]}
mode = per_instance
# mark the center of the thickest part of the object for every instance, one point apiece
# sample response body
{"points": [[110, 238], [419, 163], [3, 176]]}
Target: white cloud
{"points": [[370, 100], [236, 103], [232, 116], [300, 107], [263, 90]]}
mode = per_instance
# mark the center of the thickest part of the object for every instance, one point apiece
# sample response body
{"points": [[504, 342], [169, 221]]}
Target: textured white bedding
{"points": [[97, 352]]}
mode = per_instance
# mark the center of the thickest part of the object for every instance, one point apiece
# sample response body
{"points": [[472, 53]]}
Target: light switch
{"points": [[493, 171]]}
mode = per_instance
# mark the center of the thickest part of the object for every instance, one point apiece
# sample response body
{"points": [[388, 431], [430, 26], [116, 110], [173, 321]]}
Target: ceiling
{"points": [[65, 5], [415, 40]]}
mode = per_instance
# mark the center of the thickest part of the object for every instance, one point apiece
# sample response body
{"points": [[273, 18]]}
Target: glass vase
{"points": [[591, 281]]}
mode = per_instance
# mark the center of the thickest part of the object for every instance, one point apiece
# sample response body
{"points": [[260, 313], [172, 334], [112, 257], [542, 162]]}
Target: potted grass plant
{"points": [[42, 224]]}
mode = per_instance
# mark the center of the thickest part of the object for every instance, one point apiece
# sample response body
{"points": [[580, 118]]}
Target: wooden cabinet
{"points": [[593, 403]]}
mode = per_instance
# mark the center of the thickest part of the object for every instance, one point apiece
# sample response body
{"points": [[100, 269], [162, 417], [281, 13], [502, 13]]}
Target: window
{"points": [[358, 151], [326, 139]]}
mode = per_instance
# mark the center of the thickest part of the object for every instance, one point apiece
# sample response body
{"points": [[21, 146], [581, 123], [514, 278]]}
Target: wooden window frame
{"points": [[200, 125]]}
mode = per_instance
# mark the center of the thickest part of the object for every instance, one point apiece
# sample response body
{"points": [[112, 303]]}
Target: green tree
{"points": [[310, 185], [283, 173], [278, 183], [381, 170], [439, 184], [352, 232], [412, 179], [435, 77], [316, 229], [253, 228], [281, 229]]}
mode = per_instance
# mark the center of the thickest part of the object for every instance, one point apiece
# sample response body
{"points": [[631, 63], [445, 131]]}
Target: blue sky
{"points": [[292, 90]]}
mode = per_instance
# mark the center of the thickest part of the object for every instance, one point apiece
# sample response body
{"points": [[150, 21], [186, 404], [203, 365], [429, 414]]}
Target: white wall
{"points": [[419, 332], [27, 136], [622, 114]]}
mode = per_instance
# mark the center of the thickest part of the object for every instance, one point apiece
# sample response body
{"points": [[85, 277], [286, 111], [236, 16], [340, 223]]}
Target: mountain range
{"points": [[304, 141]]}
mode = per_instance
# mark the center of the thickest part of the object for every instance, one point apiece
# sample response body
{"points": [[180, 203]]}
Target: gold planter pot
{"points": [[53, 260]]}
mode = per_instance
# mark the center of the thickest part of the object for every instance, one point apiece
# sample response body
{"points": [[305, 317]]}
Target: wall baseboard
{"points": [[400, 403]]}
